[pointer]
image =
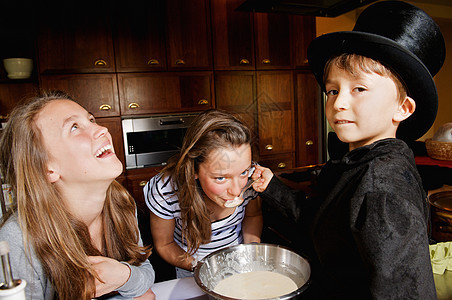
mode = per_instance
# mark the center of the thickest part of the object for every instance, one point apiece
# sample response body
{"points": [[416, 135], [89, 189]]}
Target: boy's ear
{"points": [[52, 174], [405, 109]]}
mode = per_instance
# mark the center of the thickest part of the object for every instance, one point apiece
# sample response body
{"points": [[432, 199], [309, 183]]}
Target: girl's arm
{"points": [[163, 237], [253, 221]]}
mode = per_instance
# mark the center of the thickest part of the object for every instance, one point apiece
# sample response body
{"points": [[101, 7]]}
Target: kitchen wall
{"points": [[443, 16]]}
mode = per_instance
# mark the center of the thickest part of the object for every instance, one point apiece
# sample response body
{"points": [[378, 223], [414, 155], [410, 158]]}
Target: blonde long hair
{"points": [[61, 242], [212, 129]]}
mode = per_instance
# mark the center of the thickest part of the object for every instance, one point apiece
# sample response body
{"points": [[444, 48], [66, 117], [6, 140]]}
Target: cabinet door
{"points": [[189, 35], [233, 39], [308, 99], [275, 110], [278, 162], [113, 125], [273, 44], [139, 36], [235, 92], [136, 180], [97, 93], [76, 39], [303, 32], [149, 93], [11, 94]]}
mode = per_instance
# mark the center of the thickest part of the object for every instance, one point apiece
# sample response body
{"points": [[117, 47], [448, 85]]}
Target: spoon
{"points": [[239, 199]]}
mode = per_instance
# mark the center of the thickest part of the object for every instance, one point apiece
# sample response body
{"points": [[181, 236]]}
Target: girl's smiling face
{"points": [[79, 150], [361, 109], [225, 172]]}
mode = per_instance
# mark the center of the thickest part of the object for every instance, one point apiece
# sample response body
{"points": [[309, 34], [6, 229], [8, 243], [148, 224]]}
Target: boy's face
{"points": [[361, 109]]}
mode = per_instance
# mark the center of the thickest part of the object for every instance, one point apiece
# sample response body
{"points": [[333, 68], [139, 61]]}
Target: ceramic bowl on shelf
{"points": [[18, 68]]}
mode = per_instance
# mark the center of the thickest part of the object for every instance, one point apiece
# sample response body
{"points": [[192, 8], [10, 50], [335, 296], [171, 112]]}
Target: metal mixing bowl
{"points": [[252, 257]]}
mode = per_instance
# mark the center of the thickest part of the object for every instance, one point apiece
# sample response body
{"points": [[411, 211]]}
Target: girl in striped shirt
{"points": [[191, 200]]}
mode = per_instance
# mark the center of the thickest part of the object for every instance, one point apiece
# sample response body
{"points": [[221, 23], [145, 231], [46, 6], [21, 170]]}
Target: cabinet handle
{"points": [[281, 165], [133, 105], [266, 61], [143, 182], [309, 143], [203, 102], [153, 61], [100, 63], [306, 61], [244, 61], [180, 62], [4, 117], [269, 147], [105, 107]]}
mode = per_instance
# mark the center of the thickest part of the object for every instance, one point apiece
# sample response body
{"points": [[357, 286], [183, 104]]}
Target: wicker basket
{"points": [[439, 150]]}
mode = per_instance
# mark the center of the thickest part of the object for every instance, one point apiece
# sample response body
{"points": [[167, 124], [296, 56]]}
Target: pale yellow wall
{"points": [[443, 80]]}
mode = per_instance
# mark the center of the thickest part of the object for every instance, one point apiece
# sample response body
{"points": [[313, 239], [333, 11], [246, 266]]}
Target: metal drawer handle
{"points": [[143, 182], [153, 61], [269, 147], [133, 105], [244, 61], [309, 143], [180, 62], [281, 165], [100, 63], [203, 102], [105, 107], [266, 61]]}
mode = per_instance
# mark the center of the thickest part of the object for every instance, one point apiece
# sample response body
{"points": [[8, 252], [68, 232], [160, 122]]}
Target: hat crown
{"points": [[408, 26]]}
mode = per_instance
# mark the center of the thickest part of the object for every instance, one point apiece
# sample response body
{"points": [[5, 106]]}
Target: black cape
{"points": [[368, 227]]}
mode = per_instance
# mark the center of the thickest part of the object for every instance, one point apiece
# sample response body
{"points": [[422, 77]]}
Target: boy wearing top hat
{"points": [[369, 227]]}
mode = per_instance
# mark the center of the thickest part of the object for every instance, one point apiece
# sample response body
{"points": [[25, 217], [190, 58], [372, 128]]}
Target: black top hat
{"points": [[403, 38]]}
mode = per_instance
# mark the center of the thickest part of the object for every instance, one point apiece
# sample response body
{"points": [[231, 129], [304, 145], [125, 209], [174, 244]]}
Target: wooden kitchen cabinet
{"points": [[188, 35], [264, 100], [282, 40], [309, 115], [278, 162], [97, 93], [136, 180], [139, 36], [151, 93], [233, 36], [303, 32], [11, 94], [273, 41], [75, 38], [275, 103], [235, 92]]}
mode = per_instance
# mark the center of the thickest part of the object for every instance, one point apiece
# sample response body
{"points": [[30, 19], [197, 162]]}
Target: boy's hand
{"points": [[265, 175]]}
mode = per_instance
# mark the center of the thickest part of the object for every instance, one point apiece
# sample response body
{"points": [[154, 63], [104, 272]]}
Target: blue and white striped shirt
{"points": [[162, 200]]}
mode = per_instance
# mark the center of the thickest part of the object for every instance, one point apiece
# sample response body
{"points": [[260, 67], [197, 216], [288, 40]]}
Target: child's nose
{"points": [[235, 188], [341, 102], [99, 131]]}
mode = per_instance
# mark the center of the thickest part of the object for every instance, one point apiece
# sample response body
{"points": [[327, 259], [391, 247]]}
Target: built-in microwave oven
{"points": [[149, 141]]}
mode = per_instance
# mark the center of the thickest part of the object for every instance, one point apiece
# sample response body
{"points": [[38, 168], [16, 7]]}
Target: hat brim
{"points": [[410, 69]]}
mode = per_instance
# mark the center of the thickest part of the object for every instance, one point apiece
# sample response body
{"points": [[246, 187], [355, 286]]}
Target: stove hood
{"points": [[319, 8]]}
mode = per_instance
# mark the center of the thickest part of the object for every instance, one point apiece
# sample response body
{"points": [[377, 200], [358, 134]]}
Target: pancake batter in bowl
{"points": [[255, 285]]}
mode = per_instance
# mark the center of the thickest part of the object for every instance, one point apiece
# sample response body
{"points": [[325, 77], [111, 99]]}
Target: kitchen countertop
{"points": [[178, 289]]}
